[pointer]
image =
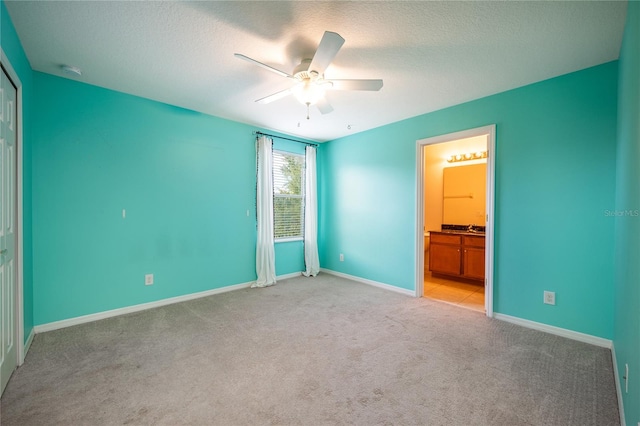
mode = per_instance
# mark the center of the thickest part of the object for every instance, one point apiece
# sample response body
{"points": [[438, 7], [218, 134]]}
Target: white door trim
{"points": [[19, 214], [490, 131]]}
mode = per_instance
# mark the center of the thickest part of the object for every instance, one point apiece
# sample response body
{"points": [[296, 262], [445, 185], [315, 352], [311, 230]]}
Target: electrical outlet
{"points": [[341, 257], [550, 297], [148, 279]]}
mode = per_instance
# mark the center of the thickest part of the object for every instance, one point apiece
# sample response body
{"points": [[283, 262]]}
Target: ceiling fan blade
{"points": [[260, 64], [324, 106], [327, 50], [372, 85], [274, 97]]}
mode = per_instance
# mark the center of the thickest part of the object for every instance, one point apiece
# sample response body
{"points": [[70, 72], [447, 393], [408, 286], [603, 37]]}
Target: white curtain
{"points": [[311, 259], [265, 253]]}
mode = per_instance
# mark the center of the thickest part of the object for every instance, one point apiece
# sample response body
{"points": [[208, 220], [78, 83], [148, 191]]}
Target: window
{"points": [[288, 195]]}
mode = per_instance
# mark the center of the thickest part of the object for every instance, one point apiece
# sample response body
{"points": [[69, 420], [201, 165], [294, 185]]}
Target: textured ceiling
{"points": [[430, 55]]}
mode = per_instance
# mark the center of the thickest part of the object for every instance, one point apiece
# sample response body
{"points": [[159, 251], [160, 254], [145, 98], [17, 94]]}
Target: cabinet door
{"points": [[473, 263], [444, 259]]}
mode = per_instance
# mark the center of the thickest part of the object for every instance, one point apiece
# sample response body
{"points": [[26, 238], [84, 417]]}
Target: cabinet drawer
{"points": [[445, 238], [473, 241]]}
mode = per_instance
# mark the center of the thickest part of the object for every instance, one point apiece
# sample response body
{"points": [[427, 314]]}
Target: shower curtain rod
{"points": [[287, 139]]}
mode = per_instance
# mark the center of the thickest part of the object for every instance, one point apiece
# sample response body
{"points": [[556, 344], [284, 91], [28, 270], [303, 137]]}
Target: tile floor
{"points": [[466, 294]]}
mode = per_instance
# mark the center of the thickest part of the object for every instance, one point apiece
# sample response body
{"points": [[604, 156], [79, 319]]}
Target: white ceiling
{"points": [[431, 55]]}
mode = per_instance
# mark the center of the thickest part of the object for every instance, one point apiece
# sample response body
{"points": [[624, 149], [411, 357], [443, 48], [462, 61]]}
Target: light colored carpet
{"points": [[310, 351]]}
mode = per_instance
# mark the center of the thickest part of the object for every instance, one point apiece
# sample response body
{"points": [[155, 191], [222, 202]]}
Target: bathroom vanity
{"points": [[457, 253]]}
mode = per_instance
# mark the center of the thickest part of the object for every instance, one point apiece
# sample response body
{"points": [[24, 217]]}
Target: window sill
{"points": [[288, 240]]}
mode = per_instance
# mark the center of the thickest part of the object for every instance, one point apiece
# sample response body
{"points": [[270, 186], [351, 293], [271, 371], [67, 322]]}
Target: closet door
{"points": [[8, 348]]}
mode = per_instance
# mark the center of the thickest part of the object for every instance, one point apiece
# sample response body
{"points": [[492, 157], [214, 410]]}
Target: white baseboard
{"points": [[563, 332], [287, 276], [144, 306], [618, 385], [370, 282], [135, 308]]}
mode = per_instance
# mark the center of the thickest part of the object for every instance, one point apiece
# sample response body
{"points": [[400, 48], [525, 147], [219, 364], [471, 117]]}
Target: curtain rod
{"points": [[287, 139]]}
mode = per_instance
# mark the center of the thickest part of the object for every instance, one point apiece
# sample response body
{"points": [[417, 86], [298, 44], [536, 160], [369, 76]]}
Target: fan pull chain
{"points": [[308, 110]]}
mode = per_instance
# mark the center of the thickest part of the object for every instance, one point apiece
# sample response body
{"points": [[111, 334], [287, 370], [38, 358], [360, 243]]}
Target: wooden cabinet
{"points": [[458, 255], [444, 253]]}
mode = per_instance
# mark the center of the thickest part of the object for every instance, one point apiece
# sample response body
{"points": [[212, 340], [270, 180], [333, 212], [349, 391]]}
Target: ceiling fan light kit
{"points": [[308, 93], [310, 84]]}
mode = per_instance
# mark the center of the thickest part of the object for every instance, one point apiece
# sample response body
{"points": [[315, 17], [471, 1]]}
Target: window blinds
{"points": [[288, 195]]}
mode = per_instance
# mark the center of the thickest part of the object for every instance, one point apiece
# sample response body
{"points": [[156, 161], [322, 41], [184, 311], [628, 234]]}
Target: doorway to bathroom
{"points": [[454, 220]]}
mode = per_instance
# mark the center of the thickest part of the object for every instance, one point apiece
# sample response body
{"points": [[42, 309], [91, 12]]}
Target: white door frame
{"points": [[19, 333], [490, 132]]}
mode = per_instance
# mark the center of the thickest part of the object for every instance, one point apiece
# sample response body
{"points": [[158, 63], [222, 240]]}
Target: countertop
{"points": [[475, 233]]}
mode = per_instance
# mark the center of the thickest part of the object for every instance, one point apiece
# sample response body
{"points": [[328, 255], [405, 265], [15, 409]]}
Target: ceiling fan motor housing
{"points": [[302, 72]]}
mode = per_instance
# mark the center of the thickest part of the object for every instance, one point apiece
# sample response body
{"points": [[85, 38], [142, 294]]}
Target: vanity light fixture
{"points": [[479, 155]]}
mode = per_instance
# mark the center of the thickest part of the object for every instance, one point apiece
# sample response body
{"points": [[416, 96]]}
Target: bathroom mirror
{"points": [[464, 195]]}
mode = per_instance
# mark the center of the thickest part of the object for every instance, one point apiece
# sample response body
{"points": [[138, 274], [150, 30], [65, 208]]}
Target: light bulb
{"points": [[307, 92]]}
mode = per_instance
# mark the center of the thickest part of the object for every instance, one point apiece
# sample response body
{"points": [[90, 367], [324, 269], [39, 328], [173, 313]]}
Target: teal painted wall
{"points": [[13, 49], [185, 179], [289, 257], [627, 225], [555, 174]]}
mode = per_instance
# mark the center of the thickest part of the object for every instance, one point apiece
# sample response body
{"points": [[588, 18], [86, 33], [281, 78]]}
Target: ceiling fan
{"points": [[310, 84]]}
